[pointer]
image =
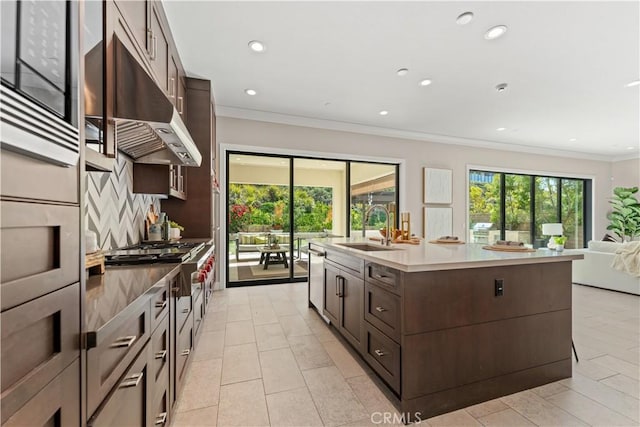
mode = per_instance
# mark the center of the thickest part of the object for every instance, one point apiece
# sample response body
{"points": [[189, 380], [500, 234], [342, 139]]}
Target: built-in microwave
{"points": [[39, 79]]}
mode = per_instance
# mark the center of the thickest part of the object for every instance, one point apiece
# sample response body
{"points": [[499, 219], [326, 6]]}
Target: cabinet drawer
{"points": [[115, 347], [384, 357], [31, 270], [386, 277], [198, 313], [39, 339], [183, 309], [382, 310], [25, 177], [159, 305], [159, 416], [128, 402], [184, 347], [352, 264], [56, 404], [159, 370]]}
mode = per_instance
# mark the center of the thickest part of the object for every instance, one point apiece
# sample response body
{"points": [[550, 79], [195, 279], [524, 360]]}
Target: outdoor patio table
{"points": [[280, 256]]}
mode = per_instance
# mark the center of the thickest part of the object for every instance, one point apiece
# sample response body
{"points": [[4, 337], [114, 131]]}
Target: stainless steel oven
{"points": [[39, 79]]}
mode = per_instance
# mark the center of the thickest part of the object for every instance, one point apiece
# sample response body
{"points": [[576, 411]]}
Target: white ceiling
{"points": [[566, 64]]}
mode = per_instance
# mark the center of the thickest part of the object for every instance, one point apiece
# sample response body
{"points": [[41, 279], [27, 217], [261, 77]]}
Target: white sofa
{"points": [[595, 269]]}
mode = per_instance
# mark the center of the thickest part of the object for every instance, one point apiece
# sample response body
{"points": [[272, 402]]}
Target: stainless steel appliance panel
{"points": [[316, 273]]}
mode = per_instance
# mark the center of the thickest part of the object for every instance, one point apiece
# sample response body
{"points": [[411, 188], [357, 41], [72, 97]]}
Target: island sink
{"points": [[367, 247]]}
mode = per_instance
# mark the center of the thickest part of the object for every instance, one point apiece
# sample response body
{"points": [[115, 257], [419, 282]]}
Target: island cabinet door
{"points": [[351, 293], [331, 298]]}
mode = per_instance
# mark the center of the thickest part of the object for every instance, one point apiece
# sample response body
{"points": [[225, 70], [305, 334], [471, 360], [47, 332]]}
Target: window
{"points": [[514, 206]]}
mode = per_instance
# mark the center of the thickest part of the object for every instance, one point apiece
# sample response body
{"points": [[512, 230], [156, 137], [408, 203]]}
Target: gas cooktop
{"points": [[152, 252], [163, 245]]}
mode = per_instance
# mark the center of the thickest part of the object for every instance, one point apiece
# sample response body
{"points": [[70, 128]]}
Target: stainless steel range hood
{"points": [[148, 127]]}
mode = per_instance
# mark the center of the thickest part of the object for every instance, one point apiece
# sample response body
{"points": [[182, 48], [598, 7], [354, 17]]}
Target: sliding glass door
{"points": [[258, 195], [276, 204], [319, 194]]}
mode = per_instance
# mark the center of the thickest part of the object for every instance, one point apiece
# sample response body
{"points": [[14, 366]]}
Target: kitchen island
{"points": [[450, 325]]}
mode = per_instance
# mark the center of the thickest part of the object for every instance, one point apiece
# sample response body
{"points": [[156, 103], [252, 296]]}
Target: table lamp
{"points": [[552, 229]]}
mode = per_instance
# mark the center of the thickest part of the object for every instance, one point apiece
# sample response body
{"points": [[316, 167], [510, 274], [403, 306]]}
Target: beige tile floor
{"points": [[264, 358]]}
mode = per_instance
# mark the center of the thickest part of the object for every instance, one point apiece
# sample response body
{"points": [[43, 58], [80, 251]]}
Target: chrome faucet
{"points": [[386, 240]]}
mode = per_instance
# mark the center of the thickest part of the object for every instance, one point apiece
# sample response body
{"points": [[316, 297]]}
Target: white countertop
{"points": [[433, 257]]}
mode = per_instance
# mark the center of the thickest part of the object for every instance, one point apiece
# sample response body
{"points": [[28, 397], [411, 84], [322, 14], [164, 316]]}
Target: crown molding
{"points": [[266, 116]]}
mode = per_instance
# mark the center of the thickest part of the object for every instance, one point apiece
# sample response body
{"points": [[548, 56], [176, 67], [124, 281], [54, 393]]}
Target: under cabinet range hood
{"points": [[148, 128]]}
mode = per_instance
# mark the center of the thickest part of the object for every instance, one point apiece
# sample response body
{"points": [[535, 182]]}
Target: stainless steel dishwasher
{"points": [[316, 278]]}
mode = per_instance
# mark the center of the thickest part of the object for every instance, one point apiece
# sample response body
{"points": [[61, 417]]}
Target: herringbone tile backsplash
{"points": [[113, 211]]}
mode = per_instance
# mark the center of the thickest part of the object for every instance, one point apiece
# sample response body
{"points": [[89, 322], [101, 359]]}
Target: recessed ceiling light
{"points": [[250, 92], [464, 18], [425, 82], [572, 139], [501, 87], [257, 46], [402, 72], [495, 32], [500, 129], [384, 112], [633, 83], [630, 148]]}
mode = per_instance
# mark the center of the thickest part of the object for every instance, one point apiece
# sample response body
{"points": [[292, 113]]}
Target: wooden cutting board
{"points": [[505, 248]]}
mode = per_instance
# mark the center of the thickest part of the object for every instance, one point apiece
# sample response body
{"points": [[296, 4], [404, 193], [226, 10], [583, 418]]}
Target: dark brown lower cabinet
{"points": [[184, 347], [344, 302], [129, 401], [160, 375], [181, 338], [39, 250], [383, 355], [443, 340], [198, 313], [39, 340], [57, 404], [113, 348]]}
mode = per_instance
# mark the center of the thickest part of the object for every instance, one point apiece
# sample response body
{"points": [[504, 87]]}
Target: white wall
{"points": [[625, 173], [419, 154]]}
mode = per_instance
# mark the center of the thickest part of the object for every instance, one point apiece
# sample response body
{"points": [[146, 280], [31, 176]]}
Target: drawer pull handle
{"points": [[161, 354], [132, 381], [185, 310], [162, 304], [379, 353], [380, 309], [185, 352], [161, 418], [380, 276], [124, 341]]}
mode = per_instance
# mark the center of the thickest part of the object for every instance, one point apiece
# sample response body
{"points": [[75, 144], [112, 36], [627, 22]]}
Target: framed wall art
{"points": [[437, 185], [438, 222]]}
